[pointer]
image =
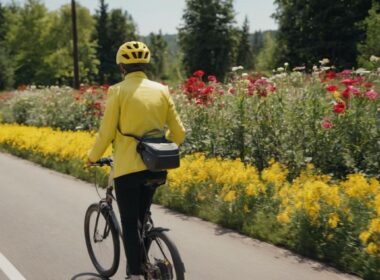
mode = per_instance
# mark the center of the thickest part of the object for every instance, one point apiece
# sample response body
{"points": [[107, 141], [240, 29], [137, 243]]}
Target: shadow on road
{"points": [[88, 276]]}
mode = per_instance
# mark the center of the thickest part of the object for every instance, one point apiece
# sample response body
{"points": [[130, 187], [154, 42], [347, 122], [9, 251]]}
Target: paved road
{"points": [[41, 234]]}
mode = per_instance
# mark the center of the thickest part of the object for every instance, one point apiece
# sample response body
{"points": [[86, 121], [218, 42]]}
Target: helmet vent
{"points": [[146, 55], [136, 45], [134, 55], [126, 56], [140, 54], [129, 47]]}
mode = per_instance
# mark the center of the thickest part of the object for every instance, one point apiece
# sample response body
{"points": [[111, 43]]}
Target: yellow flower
{"points": [[283, 217], [372, 248], [330, 236], [333, 220], [375, 225], [250, 190], [230, 196], [275, 173], [364, 236]]}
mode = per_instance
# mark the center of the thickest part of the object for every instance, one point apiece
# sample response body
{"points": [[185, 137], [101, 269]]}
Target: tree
{"points": [[207, 36], [158, 48], [371, 44], [244, 53], [58, 61], [266, 59], [26, 41], [6, 66], [101, 35], [121, 29], [310, 30], [112, 30]]}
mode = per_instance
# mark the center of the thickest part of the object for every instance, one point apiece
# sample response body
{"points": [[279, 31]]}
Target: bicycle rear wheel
{"points": [[102, 240], [163, 259]]}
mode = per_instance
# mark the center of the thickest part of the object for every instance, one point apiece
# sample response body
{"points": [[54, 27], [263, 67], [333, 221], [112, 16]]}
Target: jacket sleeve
{"points": [[176, 132], [108, 126]]}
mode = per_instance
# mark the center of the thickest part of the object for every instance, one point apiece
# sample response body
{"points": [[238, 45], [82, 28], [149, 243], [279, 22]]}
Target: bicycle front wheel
{"points": [[164, 260], [102, 240]]}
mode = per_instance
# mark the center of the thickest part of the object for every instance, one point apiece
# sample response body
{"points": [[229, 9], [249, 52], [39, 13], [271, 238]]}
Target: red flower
{"points": [[232, 90], [212, 78], [368, 85], [207, 90], [330, 75], [198, 73], [340, 107], [346, 93], [331, 88]]}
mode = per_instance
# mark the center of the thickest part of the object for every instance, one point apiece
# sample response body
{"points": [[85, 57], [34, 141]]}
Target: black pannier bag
{"points": [[157, 153]]}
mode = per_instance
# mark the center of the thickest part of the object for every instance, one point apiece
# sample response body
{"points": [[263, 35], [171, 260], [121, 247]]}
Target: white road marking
{"points": [[9, 270]]}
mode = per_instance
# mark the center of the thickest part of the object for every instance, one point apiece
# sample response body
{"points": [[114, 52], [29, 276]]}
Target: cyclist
{"points": [[135, 106]]}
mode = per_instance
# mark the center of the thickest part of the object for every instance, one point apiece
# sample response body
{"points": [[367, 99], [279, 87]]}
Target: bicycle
{"points": [[161, 257]]}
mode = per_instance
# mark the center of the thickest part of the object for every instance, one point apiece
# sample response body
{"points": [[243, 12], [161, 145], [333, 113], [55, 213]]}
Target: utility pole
{"points": [[75, 44]]}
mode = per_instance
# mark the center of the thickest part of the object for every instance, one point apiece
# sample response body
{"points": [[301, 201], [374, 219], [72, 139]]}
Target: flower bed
{"points": [[326, 118], [334, 220]]}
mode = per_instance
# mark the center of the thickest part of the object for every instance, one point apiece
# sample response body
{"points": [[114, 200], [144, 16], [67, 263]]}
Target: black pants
{"points": [[134, 198]]}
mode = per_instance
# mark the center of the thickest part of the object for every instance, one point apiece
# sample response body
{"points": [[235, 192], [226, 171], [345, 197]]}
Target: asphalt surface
{"points": [[41, 234]]}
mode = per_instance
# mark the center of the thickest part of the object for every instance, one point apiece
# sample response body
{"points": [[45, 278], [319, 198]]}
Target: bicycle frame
{"points": [[107, 209]]}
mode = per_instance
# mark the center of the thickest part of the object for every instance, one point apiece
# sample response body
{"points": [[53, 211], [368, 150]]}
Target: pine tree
{"points": [[310, 30], [244, 54], [101, 35], [121, 29], [207, 36]]}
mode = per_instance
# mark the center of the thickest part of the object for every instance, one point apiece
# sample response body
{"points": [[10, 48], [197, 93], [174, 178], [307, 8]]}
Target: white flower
{"points": [[235, 68], [299, 68], [286, 64], [244, 74], [280, 69], [374, 58], [315, 68], [362, 71], [325, 68], [32, 87], [324, 61]]}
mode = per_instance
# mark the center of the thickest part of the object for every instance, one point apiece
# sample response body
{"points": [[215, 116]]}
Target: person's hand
{"points": [[89, 163]]}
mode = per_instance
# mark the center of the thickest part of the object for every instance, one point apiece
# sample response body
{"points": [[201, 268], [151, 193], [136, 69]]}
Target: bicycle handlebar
{"points": [[103, 161]]}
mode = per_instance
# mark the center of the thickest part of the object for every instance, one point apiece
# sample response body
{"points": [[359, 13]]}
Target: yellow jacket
{"points": [[137, 105]]}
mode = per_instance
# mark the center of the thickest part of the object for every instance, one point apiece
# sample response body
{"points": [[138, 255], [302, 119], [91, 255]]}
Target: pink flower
{"points": [[326, 123], [232, 90], [355, 91], [212, 78], [198, 73], [371, 94], [347, 82]]}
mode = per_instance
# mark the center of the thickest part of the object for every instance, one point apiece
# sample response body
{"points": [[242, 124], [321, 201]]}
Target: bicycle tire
{"points": [[93, 209], [179, 267]]}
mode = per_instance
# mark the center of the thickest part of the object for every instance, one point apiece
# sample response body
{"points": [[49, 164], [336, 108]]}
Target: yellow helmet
{"points": [[133, 52]]}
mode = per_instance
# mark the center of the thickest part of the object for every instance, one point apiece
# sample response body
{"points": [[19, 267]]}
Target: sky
{"points": [[165, 15]]}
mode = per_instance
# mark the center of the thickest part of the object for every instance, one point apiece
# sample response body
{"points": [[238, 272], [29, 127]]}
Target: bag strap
{"points": [[141, 138], [138, 138]]}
